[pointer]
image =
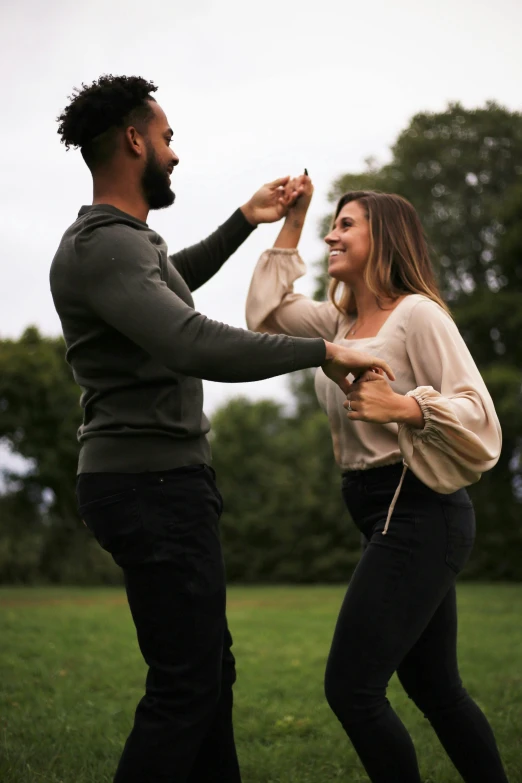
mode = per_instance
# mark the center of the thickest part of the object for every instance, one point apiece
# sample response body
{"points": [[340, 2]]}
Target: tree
{"points": [[40, 414], [39, 418], [283, 520]]}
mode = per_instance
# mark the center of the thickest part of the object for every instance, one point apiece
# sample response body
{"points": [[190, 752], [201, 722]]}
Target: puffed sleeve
{"points": [[461, 438], [273, 307]]}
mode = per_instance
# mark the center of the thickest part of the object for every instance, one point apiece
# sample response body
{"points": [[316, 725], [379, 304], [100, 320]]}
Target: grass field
{"points": [[71, 675]]}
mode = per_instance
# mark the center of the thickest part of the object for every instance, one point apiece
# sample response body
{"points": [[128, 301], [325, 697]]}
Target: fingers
{"points": [[367, 375], [295, 188], [290, 196], [367, 362], [345, 385], [300, 182], [351, 410], [279, 183], [294, 185], [380, 364]]}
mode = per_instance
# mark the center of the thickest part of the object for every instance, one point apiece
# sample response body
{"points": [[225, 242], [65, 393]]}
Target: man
{"points": [[145, 486]]}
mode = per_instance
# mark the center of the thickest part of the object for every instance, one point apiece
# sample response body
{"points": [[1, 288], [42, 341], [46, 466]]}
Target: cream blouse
{"points": [[461, 437]]}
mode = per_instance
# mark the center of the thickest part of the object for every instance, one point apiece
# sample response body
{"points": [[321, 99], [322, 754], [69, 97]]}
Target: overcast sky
{"points": [[253, 91]]}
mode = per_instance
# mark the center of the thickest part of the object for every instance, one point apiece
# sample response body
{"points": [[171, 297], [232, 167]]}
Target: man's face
{"points": [[160, 162]]}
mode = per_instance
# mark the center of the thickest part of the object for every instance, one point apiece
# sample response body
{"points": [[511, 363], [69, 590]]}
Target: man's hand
{"points": [[341, 361], [271, 202], [371, 398]]}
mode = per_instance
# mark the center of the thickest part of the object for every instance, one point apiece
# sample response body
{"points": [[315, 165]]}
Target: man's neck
{"points": [[127, 199]]}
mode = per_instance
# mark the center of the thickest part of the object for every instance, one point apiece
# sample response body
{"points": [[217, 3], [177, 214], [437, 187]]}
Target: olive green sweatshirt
{"points": [[139, 349]]}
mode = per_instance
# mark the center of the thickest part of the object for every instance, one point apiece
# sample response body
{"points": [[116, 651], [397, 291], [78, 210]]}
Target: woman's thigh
{"points": [[399, 583]]}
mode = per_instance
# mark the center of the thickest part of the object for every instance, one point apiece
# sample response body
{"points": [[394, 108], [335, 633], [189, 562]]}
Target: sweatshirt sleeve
{"points": [[198, 263], [273, 307], [461, 438], [123, 286]]}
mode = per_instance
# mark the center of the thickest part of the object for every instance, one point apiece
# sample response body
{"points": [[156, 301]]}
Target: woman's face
{"points": [[349, 243]]}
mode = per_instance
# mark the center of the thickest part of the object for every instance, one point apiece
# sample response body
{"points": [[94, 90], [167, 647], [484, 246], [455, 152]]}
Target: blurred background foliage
{"points": [[284, 520]]}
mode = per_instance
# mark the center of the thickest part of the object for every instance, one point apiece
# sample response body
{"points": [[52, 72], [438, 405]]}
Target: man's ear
{"points": [[134, 141]]}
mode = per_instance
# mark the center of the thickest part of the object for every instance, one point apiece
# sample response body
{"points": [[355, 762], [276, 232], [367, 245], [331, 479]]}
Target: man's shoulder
{"points": [[96, 234], [100, 244], [104, 226]]}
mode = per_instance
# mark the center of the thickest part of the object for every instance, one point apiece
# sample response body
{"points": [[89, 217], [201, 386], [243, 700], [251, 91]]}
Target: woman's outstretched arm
{"points": [[272, 305]]}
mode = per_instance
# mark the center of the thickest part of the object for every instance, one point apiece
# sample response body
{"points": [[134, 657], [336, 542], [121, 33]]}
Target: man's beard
{"points": [[155, 183]]}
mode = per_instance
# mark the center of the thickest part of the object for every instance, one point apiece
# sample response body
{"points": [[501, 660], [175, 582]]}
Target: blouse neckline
{"points": [[384, 325]]}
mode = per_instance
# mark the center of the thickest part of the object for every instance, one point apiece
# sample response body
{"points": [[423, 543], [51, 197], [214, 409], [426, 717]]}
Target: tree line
{"points": [[284, 520]]}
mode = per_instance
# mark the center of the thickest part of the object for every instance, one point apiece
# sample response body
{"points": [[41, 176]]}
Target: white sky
{"points": [[253, 91]]}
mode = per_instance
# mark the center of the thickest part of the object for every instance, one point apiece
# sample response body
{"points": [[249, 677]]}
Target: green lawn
{"points": [[71, 675]]}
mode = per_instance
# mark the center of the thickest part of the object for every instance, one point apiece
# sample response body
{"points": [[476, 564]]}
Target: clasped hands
{"points": [[273, 201], [371, 398]]}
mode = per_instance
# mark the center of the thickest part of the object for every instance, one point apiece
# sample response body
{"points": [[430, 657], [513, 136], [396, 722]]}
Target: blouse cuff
{"points": [[285, 251], [421, 394]]}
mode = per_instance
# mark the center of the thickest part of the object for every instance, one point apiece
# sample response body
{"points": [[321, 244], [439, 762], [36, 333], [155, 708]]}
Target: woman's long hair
{"points": [[399, 261]]}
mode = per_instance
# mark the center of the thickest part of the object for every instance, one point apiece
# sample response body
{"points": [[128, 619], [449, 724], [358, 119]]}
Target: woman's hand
{"points": [[303, 187], [298, 194], [371, 398]]}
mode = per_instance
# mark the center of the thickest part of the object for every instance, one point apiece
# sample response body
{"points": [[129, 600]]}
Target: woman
{"points": [[406, 451]]}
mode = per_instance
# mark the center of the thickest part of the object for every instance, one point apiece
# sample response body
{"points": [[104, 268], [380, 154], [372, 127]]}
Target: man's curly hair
{"points": [[95, 111]]}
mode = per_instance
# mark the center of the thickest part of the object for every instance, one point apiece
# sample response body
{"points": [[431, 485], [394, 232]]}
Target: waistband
{"points": [[386, 471], [140, 453]]}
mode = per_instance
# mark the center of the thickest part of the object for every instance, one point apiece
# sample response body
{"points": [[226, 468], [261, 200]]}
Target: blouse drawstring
{"points": [[394, 501]]}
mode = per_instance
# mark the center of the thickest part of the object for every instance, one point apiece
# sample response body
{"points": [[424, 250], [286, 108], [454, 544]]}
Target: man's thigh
{"points": [[163, 530]]}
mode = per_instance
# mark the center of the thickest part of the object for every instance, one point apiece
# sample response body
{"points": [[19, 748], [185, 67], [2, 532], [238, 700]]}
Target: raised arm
{"points": [[199, 263], [272, 306]]}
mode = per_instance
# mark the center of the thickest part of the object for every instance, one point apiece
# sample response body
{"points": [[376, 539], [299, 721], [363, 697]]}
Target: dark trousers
{"points": [[399, 615], [163, 530]]}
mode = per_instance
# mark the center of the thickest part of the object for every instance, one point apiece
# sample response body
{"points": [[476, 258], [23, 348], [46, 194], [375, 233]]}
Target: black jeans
{"points": [[163, 530], [399, 615]]}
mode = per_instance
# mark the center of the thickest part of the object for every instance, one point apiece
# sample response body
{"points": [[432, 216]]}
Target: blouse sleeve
{"points": [[273, 307], [461, 438]]}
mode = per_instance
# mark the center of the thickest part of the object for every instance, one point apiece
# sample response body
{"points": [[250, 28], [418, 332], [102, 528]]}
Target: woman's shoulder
{"points": [[419, 306], [426, 317]]}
